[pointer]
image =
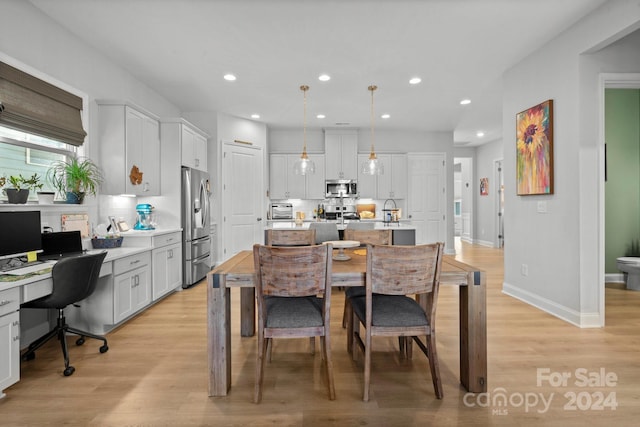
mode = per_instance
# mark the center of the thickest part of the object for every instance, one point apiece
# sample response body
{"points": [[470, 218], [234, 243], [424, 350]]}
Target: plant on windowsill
{"points": [[74, 178], [19, 187]]}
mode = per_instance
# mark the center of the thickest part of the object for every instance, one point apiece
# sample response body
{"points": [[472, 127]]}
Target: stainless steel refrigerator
{"points": [[196, 243]]}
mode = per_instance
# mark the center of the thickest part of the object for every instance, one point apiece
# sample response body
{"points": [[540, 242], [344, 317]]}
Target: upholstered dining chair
{"points": [[393, 273], [325, 231], [291, 237], [293, 292], [365, 237]]}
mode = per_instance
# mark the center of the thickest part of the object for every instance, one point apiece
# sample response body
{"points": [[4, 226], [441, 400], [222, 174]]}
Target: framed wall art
{"points": [[534, 150], [484, 186]]}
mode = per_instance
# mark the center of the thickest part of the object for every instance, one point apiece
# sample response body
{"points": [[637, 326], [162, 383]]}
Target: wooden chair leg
{"points": [[345, 313], [367, 365], [434, 365], [349, 325], [409, 347], [262, 348], [326, 352], [312, 345], [269, 344]]}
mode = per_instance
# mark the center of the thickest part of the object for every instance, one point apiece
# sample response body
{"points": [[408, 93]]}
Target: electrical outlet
{"points": [[524, 269]]}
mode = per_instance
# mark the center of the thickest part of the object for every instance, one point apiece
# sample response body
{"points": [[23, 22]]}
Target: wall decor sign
{"points": [[484, 186], [534, 150]]}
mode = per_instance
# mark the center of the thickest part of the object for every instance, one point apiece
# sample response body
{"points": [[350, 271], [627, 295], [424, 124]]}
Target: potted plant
{"points": [[75, 177], [18, 192]]}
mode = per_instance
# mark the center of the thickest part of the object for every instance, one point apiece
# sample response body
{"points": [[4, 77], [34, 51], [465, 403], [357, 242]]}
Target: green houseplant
{"points": [[19, 189], [75, 177]]}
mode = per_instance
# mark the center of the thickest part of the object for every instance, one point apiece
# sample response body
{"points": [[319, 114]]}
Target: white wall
{"points": [[560, 246]]}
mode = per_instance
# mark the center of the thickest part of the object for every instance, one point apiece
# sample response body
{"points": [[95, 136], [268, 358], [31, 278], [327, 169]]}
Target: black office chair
{"points": [[74, 279]]}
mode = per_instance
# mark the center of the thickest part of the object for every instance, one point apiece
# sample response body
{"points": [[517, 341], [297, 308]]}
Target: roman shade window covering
{"points": [[35, 106]]}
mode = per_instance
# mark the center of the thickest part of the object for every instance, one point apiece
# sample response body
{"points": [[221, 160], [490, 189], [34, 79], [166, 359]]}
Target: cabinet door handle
{"points": [[5, 302], [197, 162], [16, 338], [134, 262], [16, 323]]}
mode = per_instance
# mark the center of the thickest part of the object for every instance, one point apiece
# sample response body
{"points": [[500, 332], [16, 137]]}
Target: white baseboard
{"points": [[614, 278], [484, 243], [582, 320]]}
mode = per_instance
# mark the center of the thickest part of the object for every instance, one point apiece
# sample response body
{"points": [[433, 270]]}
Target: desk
{"points": [[238, 271]]}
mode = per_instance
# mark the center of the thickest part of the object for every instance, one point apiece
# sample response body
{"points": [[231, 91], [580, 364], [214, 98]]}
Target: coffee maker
{"points": [[145, 219]]}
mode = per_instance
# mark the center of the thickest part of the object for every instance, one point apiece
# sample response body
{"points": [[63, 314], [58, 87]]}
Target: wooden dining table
{"points": [[238, 271]]}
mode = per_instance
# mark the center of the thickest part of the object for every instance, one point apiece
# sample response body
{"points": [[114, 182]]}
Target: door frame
{"points": [[606, 81]]}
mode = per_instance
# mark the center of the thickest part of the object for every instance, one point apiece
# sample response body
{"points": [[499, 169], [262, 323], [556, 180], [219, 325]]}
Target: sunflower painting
{"points": [[534, 145]]}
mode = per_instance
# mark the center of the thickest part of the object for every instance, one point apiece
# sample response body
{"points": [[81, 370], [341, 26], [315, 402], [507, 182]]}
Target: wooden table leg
{"points": [[247, 312], [473, 333], [218, 335]]}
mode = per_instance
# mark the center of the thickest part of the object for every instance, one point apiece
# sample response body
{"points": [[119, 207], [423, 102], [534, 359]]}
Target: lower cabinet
{"points": [[131, 292], [118, 295], [167, 269], [9, 338]]}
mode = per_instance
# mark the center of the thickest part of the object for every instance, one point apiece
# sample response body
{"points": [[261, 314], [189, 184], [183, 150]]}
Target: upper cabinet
{"points": [[390, 185], [194, 148], [341, 154], [285, 184], [129, 149]]}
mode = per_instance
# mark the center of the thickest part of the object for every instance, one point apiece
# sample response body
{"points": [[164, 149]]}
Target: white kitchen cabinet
{"points": [[193, 147], [129, 149], [285, 184], [341, 154], [166, 264], [9, 338], [131, 285], [392, 184]]}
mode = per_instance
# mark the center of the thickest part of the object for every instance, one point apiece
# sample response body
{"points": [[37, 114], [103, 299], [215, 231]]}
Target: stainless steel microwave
{"points": [[341, 188]]}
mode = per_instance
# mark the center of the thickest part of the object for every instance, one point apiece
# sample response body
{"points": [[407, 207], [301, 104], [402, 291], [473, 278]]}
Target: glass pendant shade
{"points": [[373, 165], [304, 165]]}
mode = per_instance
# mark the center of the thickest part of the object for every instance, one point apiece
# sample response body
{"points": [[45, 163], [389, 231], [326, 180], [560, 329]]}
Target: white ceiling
{"points": [[460, 48]]}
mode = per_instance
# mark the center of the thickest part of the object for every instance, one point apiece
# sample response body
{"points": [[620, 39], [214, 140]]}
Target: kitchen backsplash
{"points": [[307, 206]]}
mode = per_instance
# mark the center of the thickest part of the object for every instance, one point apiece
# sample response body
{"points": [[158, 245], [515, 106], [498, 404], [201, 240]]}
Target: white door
{"points": [[242, 198], [427, 195]]}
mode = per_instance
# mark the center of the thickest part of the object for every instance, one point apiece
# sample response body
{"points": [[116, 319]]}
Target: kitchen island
{"points": [[402, 231]]}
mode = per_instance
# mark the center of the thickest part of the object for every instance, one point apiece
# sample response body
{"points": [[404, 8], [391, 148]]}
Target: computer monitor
{"points": [[20, 233]]}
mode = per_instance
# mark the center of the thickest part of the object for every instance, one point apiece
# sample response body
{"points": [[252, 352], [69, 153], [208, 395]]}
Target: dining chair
{"points": [[291, 237], [393, 273], [325, 231], [293, 292], [295, 237], [365, 237]]}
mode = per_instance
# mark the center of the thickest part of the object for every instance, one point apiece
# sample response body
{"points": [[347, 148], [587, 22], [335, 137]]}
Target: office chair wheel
{"points": [[69, 371], [80, 341], [104, 348], [29, 356]]}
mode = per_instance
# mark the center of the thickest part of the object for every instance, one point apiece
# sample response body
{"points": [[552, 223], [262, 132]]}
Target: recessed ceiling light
{"points": [[321, 116], [324, 77], [229, 77], [465, 102], [479, 134], [385, 116], [255, 116], [415, 80]]}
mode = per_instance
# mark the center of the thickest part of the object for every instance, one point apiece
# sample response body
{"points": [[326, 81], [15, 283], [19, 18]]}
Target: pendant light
{"points": [[372, 166], [304, 165]]}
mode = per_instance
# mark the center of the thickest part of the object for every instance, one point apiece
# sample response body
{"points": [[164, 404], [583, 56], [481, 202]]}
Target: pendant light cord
{"points": [[372, 88], [304, 89]]}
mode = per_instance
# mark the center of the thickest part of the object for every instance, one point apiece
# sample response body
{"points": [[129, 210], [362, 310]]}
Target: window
{"points": [[26, 154]]}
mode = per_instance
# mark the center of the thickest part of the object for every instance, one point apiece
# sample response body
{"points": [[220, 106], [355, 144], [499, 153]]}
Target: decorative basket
{"points": [[99, 243]]}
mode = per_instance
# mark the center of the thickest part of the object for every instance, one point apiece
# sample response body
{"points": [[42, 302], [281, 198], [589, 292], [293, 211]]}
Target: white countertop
{"points": [[149, 233], [379, 225]]}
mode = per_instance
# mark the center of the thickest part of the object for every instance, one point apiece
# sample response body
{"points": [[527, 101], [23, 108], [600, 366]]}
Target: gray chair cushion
{"points": [[325, 231], [355, 291], [293, 312], [391, 310]]}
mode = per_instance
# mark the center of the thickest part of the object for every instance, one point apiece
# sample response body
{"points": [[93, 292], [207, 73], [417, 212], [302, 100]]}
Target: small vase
{"points": [[46, 197], [75, 198], [17, 196]]}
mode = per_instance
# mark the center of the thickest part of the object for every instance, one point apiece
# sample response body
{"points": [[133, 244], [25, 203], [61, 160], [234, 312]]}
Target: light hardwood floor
{"points": [[155, 372]]}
